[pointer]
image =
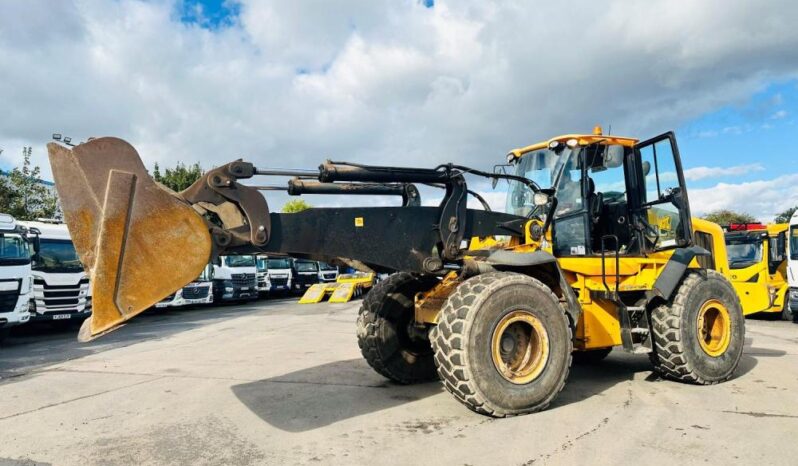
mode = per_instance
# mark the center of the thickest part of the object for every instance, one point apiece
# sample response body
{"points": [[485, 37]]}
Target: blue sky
{"points": [[760, 131]]}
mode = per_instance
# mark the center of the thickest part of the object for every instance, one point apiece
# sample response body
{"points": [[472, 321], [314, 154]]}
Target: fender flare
{"points": [[542, 266], [673, 272]]}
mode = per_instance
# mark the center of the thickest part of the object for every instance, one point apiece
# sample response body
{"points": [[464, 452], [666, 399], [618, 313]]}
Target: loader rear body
{"points": [[596, 248]]}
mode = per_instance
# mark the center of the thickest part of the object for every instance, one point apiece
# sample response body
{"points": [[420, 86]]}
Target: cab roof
{"points": [[582, 140], [50, 230]]}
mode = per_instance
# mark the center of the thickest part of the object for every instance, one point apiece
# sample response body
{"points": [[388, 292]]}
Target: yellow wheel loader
{"points": [[758, 267], [596, 249]]}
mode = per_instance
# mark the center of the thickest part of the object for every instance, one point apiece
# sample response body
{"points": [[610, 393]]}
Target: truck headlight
{"points": [[794, 293]]}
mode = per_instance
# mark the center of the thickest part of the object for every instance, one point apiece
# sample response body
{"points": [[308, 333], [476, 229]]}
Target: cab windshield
{"points": [[549, 169], [240, 261], [277, 264], [57, 256], [794, 242], [303, 266], [263, 265], [326, 266], [14, 249], [743, 251]]}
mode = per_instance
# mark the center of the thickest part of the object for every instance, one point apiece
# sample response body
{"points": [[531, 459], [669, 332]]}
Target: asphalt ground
{"points": [[274, 382]]}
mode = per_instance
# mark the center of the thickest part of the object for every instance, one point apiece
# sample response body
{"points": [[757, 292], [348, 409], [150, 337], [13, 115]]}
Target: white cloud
{"points": [[701, 173], [763, 199], [383, 81]]}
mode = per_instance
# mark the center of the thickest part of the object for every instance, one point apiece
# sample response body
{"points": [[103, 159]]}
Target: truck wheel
{"points": [[591, 356], [503, 344], [384, 334], [4, 332], [699, 337], [786, 312]]}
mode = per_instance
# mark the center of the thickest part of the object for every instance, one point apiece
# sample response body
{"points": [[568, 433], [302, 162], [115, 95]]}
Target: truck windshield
{"points": [[14, 249], [794, 242], [306, 266], [326, 266], [57, 256], [240, 261], [743, 251], [262, 264], [544, 167], [277, 264]]}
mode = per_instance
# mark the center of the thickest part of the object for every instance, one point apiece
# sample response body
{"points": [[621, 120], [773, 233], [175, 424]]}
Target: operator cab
{"points": [[607, 193]]}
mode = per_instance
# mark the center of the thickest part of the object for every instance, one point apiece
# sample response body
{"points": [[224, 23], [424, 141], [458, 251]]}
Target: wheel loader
{"points": [[596, 249]]}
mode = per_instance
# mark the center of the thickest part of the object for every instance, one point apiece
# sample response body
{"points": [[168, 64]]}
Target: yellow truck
{"points": [[758, 267]]}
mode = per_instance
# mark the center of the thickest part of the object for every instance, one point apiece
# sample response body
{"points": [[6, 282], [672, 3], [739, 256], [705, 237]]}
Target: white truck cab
{"points": [[792, 266], [327, 273], [60, 285], [15, 274], [280, 273], [264, 284], [199, 291], [235, 278]]}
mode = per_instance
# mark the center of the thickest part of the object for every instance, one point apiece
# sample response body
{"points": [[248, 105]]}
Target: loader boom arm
{"points": [[140, 242]]}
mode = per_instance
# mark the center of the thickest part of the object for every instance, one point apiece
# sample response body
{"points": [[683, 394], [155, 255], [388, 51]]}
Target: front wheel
{"points": [[385, 332], [503, 344], [699, 337]]}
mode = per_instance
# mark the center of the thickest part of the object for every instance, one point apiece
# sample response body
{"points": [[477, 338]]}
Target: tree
{"points": [[24, 195], [295, 205], [726, 216], [785, 216], [178, 178]]}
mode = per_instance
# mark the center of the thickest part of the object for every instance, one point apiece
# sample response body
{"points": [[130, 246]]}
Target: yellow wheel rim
{"points": [[714, 328], [520, 347]]}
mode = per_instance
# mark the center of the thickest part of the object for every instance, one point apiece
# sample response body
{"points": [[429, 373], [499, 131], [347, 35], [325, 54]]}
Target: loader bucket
{"points": [[138, 241]]}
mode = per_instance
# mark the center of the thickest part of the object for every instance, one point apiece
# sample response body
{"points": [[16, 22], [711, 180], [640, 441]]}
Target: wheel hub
{"points": [[520, 347], [714, 328]]}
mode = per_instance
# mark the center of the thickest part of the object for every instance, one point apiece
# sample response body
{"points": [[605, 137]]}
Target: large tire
{"points": [[4, 332], [786, 312], [473, 315], [678, 353], [382, 331]]}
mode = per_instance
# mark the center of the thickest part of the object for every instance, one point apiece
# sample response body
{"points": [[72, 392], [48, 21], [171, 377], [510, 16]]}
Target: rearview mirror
{"points": [[613, 157], [499, 170]]}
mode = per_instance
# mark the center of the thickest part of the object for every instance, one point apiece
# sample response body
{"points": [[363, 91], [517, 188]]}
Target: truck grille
{"points": [[60, 298], [244, 279], [195, 292], [8, 300], [281, 281]]}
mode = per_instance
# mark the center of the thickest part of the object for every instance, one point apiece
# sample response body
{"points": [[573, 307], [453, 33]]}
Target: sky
{"points": [[410, 82]]}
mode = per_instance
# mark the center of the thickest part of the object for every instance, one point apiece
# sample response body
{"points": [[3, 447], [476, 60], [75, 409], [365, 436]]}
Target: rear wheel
{"points": [[503, 344], [786, 312], [387, 340], [699, 337]]}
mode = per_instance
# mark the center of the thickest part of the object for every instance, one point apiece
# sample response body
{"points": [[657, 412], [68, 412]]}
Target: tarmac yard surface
{"points": [[274, 382]]}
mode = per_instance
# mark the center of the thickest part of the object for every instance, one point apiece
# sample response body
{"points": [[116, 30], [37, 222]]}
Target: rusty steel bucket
{"points": [[138, 241]]}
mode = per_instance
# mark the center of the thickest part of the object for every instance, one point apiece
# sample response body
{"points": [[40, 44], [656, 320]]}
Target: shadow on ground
{"points": [[322, 395]]}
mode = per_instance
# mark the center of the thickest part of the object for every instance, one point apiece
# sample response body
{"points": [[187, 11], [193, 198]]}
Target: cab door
{"points": [[659, 204]]}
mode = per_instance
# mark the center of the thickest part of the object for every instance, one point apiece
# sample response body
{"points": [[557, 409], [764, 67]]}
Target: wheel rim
{"points": [[714, 328], [520, 347]]}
